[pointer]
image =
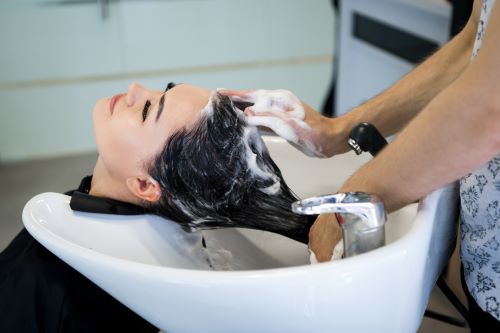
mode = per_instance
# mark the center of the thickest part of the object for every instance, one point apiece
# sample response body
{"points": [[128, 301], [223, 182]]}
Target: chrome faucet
{"points": [[361, 215]]}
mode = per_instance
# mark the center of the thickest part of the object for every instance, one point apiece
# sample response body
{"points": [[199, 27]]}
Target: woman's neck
{"points": [[106, 186]]}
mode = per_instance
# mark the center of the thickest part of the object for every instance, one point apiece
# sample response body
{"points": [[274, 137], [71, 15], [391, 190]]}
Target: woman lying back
{"points": [[188, 154]]}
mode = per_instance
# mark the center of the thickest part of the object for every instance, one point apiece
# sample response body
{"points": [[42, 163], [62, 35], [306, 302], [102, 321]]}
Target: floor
{"points": [[21, 181]]}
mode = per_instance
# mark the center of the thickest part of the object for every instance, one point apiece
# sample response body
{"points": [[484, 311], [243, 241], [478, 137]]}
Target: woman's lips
{"points": [[113, 102]]}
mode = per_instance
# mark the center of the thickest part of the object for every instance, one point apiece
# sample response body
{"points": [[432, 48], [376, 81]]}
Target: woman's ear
{"points": [[145, 188]]}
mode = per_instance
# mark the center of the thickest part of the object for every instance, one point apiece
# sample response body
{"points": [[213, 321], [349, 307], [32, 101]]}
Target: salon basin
{"points": [[254, 281]]}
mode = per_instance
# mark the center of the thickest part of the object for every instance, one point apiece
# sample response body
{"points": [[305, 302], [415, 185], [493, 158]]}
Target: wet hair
{"points": [[219, 174]]}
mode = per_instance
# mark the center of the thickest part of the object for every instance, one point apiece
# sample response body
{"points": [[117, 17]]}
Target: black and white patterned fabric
{"points": [[480, 218]]}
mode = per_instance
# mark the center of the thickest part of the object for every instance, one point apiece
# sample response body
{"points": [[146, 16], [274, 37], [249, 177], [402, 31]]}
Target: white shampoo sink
{"points": [[162, 273]]}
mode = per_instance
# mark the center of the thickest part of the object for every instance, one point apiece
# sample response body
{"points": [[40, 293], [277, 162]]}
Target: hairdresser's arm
{"points": [[457, 132], [389, 111]]}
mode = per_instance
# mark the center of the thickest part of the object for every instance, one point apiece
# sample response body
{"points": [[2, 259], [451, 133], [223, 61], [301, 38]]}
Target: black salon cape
{"points": [[40, 293]]}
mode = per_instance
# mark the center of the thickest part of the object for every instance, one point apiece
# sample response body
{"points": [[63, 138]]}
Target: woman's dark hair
{"points": [[219, 174]]}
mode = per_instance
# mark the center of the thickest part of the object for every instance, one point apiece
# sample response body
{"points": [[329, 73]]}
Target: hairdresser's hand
{"points": [[289, 117], [324, 235]]}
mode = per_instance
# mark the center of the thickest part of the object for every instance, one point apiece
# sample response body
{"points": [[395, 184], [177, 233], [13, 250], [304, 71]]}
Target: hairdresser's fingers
{"points": [[324, 235], [263, 129], [296, 132], [239, 95], [254, 110], [275, 112], [279, 101], [278, 125], [279, 110], [312, 133]]}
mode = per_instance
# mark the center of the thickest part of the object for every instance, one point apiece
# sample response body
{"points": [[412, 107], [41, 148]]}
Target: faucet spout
{"points": [[361, 215]]}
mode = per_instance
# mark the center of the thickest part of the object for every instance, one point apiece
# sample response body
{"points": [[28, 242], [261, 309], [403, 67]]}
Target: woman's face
{"points": [[131, 128]]}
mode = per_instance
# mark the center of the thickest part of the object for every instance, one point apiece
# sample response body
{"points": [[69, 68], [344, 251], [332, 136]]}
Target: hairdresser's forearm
{"points": [[456, 133], [395, 107]]}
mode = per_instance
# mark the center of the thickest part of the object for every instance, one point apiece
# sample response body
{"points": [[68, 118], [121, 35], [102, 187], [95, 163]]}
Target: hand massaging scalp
{"points": [[281, 111]]}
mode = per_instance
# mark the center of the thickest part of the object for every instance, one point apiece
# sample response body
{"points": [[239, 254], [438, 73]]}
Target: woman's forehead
{"points": [[196, 97], [183, 105]]}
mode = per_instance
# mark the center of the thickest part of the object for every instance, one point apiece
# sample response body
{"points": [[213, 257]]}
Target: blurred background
{"points": [[58, 57]]}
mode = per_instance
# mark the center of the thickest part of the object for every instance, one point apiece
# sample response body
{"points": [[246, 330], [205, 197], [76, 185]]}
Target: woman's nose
{"points": [[136, 92]]}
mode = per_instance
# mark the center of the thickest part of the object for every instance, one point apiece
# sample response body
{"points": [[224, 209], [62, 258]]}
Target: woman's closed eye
{"points": [[145, 111]]}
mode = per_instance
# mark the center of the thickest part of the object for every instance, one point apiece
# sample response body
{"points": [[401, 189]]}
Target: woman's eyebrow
{"points": [[162, 100], [160, 106]]}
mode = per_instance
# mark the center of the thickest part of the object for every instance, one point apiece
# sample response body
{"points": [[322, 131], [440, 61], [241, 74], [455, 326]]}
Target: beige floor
{"points": [[21, 181]]}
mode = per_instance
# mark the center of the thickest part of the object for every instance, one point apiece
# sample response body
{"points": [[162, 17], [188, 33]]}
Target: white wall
{"points": [[58, 59], [365, 70]]}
